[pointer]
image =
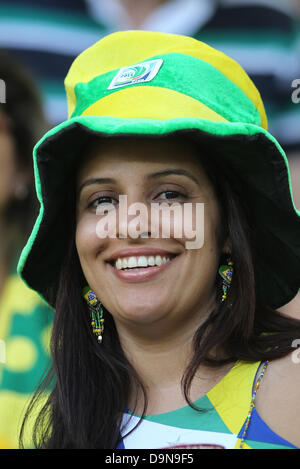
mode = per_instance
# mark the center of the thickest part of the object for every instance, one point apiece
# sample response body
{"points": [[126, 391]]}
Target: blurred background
{"points": [[39, 39]]}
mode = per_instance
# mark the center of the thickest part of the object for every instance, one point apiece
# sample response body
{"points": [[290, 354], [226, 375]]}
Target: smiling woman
{"points": [[158, 343], [120, 264]]}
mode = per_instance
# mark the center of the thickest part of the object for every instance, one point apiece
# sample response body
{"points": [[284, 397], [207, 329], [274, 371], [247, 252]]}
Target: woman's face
{"points": [[146, 280]]}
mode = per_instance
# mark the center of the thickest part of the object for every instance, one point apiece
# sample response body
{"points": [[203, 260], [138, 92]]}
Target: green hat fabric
{"points": [[142, 83]]}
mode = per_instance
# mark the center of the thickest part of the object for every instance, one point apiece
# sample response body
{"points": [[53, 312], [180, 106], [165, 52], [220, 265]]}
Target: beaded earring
{"points": [[96, 312], [226, 271]]}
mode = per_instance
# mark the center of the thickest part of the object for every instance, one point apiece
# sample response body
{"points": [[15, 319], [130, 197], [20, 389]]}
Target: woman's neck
{"points": [[161, 365], [162, 378]]}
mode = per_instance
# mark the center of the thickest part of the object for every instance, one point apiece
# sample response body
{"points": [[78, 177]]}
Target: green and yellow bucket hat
{"points": [[141, 83]]}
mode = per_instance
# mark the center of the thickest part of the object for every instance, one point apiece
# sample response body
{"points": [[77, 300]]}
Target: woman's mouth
{"points": [[136, 262], [140, 267]]}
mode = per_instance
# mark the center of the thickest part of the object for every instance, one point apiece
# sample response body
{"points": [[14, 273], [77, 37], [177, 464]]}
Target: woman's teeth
{"points": [[140, 261]]}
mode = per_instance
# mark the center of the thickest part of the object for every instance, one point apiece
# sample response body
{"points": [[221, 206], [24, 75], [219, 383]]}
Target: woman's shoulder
{"points": [[277, 400]]}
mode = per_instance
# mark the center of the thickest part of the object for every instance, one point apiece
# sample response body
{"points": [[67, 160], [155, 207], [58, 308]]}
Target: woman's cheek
{"points": [[107, 224], [185, 223], [87, 240]]}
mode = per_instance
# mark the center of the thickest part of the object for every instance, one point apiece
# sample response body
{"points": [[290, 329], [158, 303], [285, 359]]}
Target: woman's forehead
{"points": [[139, 154]]}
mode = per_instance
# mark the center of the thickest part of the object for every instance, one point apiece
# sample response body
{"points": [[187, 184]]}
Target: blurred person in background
{"points": [[46, 36], [25, 320]]}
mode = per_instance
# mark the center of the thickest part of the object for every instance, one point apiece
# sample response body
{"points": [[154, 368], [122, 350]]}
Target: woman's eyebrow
{"points": [[90, 181], [167, 172]]}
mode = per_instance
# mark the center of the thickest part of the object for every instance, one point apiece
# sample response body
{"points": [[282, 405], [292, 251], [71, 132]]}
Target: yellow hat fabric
{"points": [[87, 83]]}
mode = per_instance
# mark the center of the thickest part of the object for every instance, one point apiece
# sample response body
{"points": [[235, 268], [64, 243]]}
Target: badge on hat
{"points": [[138, 73]]}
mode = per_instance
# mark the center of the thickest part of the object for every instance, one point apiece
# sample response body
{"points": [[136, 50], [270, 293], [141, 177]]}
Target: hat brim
{"points": [[254, 157]]}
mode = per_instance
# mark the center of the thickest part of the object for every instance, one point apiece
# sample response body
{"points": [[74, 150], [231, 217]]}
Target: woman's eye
{"points": [[101, 201], [170, 195]]}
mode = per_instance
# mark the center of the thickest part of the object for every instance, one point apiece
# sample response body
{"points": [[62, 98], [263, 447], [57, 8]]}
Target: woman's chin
{"points": [[141, 312]]}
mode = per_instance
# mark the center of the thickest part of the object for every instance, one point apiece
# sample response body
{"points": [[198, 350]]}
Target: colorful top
{"points": [[222, 421], [25, 325]]}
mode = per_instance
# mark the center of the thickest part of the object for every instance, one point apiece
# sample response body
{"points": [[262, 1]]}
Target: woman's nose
{"points": [[133, 218]]}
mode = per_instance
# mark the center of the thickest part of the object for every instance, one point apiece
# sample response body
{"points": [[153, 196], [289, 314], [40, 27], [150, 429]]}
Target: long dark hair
{"points": [[92, 382]]}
